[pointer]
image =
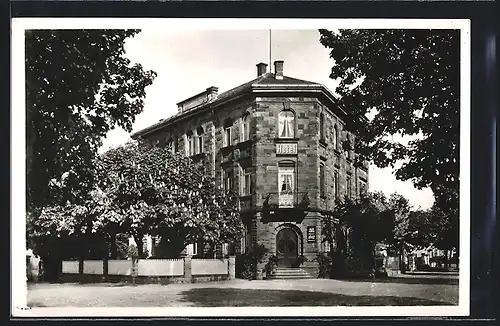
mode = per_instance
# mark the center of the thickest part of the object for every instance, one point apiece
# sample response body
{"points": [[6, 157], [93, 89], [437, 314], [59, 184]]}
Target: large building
{"points": [[280, 143]]}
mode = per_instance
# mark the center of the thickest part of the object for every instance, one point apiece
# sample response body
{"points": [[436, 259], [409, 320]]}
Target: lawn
{"points": [[240, 293], [226, 297]]}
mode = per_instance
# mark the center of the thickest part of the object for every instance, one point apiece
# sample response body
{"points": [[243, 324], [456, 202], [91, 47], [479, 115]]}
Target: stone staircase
{"points": [[289, 273]]}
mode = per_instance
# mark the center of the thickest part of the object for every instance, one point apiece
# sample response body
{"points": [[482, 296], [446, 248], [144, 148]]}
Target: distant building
{"points": [[280, 143]]}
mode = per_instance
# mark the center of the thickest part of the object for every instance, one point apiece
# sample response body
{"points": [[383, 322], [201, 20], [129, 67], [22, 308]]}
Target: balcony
{"points": [[285, 206]]}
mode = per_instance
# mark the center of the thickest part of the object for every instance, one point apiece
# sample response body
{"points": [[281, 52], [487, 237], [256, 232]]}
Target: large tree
{"points": [[167, 195], [406, 83], [79, 86]]}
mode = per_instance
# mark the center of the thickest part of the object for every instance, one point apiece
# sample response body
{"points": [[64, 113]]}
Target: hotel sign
{"points": [[286, 148]]}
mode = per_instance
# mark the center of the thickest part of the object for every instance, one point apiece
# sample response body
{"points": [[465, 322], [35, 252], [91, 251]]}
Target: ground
{"points": [[415, 289]]}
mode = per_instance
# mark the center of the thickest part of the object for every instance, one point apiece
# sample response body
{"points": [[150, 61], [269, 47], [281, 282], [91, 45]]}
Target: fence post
{"points": [[187, 268], [231, 268]]}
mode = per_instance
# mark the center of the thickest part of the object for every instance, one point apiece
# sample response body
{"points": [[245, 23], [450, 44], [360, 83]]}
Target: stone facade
{"points": [[314, 150]]}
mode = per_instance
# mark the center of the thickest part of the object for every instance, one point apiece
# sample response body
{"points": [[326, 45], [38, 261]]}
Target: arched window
{"points": [[245, 127], [200, 144], [170, 145], [228, 124], [348, 187], [336, 183], [322, 186], [286, 124], [322, 126], [335, 137], [189, 143]]}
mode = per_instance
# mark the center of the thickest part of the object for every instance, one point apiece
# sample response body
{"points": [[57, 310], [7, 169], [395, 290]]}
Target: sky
{"points": [[188, 61]]}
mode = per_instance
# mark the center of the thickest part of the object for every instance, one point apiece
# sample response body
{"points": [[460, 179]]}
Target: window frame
{"points": [[245, 127], [245, 185]]}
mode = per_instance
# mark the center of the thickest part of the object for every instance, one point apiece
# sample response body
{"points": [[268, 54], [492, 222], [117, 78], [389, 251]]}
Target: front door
{"points": [[286, 247]]}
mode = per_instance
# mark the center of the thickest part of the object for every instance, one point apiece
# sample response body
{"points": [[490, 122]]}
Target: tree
{"points": [[362, 224], [408, 80], [79, 86], [163, 194]]}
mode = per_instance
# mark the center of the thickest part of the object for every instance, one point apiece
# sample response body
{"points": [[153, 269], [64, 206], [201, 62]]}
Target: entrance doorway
{"points": [[287, 247]]}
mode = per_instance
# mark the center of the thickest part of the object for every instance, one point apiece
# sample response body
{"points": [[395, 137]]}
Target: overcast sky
{"points": [[189, 61]]}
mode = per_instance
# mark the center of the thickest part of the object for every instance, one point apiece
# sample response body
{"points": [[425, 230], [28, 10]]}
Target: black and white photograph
{"points": [[240, 167]]}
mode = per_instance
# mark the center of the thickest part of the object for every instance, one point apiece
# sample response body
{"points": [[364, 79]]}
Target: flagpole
{"points": [[270, 67]]}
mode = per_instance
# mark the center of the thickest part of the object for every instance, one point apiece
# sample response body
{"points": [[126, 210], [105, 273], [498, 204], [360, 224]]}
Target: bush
{"points": [[271, 265], [325, 265], [246, 264]]}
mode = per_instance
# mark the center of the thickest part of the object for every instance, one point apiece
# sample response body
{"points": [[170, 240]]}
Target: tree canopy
{"points": [[403, 82], [79, 86], [144, 189]]}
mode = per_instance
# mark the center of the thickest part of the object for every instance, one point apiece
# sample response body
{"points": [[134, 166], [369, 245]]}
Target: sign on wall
{"points": [[286, 148], [311, 234]]}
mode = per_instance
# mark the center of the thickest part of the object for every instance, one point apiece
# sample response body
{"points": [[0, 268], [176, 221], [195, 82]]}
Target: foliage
{"points": [[300, 261], [408, 80], [79, 86], [357, 226], [246, 264], [132, 251], [433, 227], [325, 264], [271, 265], [156, 192]]}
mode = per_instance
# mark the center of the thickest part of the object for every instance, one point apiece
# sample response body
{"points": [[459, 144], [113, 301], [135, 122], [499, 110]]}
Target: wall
{"points": [[185, 270], [209, 266]]}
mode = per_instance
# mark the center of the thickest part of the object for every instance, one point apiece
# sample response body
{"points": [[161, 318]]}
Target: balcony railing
{"points": [[298, 200]]}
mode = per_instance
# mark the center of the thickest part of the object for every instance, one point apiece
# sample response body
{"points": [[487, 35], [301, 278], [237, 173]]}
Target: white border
{"points": [[18, 178]]}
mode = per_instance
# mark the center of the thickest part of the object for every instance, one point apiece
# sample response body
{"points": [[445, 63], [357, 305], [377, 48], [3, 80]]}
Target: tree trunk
{"points": [[113, 247], [138, 241], [402, 256], [105, 258]]}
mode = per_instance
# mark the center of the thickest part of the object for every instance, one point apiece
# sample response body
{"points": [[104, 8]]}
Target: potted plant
{"points": [[300, 260]]}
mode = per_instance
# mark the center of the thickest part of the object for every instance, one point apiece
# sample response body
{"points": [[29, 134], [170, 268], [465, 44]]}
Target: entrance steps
{"points": [[289, 273]]}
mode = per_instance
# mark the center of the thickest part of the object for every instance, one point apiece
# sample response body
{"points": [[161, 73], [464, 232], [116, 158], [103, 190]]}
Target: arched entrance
{"points": [[287, 247]]}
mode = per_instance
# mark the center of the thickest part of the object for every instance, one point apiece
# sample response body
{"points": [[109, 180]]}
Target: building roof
{"points": [[266, 80]]}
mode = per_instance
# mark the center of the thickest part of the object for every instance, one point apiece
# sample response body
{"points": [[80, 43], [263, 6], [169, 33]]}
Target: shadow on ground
{"points": [[226, 297], [408, 280]]}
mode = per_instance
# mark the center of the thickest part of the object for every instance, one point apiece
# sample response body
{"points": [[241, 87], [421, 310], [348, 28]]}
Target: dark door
{"points": [[286, 247]]}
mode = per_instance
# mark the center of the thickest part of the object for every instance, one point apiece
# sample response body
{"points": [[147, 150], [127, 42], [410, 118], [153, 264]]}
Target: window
{"points": [[322, 126], [286, 185], [362, 187], [200, 146], [322, 187], [170, 146], [189, 144], [192, 249], [225, 249], [227, 180], [228, 124], [246, 181], [336, 183], [245, 127], [335, 137], [348, 186], [286, 179], [286, 124]]}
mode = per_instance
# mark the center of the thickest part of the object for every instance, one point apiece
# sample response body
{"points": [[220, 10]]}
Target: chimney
{"points": [[278, 69], [212, 92], [261, 69]]}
